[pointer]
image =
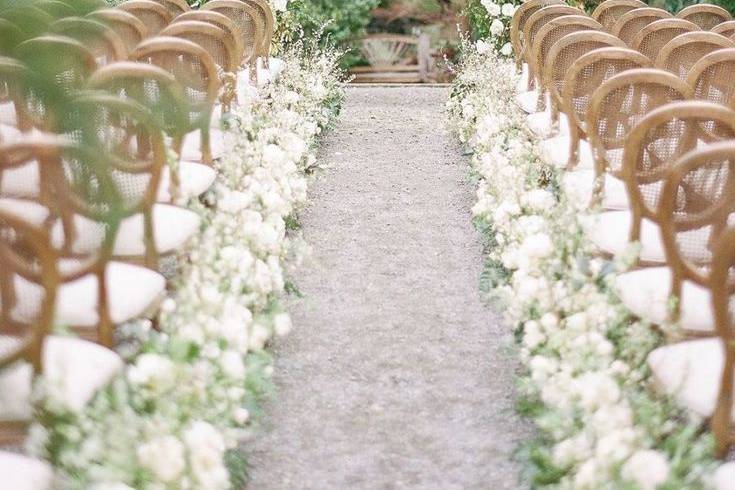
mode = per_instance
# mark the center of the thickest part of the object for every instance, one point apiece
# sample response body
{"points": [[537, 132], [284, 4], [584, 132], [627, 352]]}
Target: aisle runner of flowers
{"points": [[586, 383], [173, 419]]}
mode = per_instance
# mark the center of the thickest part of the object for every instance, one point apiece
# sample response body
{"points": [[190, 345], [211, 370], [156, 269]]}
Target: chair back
{"points": [[705, 16], [268, 21], [712, 77], [631, 23], [726, 28], [681, 53], [175, 7], [537, 21], [213, 39], [130, 28], [608, 12], [246, 17], [655, 35], [154, 15], [522, 14], [223, 22], [99, 39]]}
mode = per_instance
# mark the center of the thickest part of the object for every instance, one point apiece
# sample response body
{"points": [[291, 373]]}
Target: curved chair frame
{"points": [[154, 15], [608, 12], [632, 22], [686, 49], [721, 56], [655, 35], [705, 16], [524, 11], [130, 28]]}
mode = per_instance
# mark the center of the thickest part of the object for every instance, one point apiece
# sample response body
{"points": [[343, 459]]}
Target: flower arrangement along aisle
{"points": [[173, 419], [586, 381]]}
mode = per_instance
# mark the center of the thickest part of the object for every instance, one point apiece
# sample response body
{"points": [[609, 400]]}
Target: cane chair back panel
{"points": [[679, 55], [537, 21], [58, 67], [522, 14], [608, 12], [655, 35], [619, 104], [705, 16], [131, 29], [25, 256], [589, 72], [150, 86], [210, 37], [245, 17], [726, 29], [223, 22], [567, 51], [99, 39], [712, 77], [192, 67], [722, 285], [657, 142], [268, 21], [154, 15], [631, 23], [555, 30], [175, 7], [10, 37], [56, 9], [697, 200]]}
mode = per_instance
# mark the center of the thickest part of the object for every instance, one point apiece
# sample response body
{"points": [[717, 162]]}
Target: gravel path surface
{"points": [[396, 374]]}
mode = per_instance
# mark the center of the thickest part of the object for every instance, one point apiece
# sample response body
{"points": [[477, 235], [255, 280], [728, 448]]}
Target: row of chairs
{"points": [[636, 106], [109, 119]]}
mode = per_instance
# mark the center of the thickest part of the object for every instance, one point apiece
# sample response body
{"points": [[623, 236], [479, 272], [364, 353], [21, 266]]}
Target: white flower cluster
{"points": [[187, 395], [584, 354], [499, 17]]}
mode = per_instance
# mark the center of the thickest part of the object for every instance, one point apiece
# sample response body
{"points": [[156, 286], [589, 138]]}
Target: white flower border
{"points": [[174, 417], [587, 382]]}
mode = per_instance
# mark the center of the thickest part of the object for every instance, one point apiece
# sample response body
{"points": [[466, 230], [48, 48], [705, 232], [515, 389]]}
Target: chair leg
{"points": [[722, 418], [105, 327], [573, 147]]}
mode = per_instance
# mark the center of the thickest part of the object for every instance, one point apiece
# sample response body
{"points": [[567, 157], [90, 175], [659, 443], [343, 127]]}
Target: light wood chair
{"points": [[563, 54], [517, 24], [585, 76], [246, 17], [223, 22], [130, 28], [534, 24], [712, 77], [99, 39], [608, 12], [652, 38], [705, 16], [196, 71], [681, 53], [726, 28], [154, 15], [616, 107], [175, 7], [268, 22], [215, 40], [632, 22]]}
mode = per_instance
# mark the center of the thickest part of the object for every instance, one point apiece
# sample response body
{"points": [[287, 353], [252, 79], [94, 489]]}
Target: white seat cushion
{"points": [[194, 180], [23, 473], [523, 81], [555, 152], [74, 371], [528, 101], [725, 477], [647, 292], [610, 231], [172, 228], [690, 372], [579, 185], [23, 181], [28, 211], [131, 290], [8, 116], [540, 124], [191, 149]]}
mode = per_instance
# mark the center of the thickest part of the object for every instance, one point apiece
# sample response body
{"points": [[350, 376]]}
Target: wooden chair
{"points": [[534, 24], [652, 38], [246, 17], [582, 79], [158, 91], [130, 28], [705, 16], [608, 12], [517, 24], [223, 22], [175, 7], [632, 22], [196, 71], [213, 39], [268, 21], [154, 15], [549, 34], [99, 39], [689, 214], [681, 53], [616, 107], [726, 28], [712, 77], [561, 57]]}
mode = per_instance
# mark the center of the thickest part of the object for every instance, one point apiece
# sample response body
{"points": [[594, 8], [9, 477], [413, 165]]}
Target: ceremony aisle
{"points": [[397, 375]]}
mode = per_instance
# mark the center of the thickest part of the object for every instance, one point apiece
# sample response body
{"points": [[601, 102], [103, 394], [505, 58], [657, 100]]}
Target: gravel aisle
{"points": [[396, 375]]}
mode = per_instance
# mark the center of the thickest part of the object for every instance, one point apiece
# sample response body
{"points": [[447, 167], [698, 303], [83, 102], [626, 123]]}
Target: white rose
{"points": [[508, 9], [232, 364], [497, 27], [164, 456], [282, 324], [537, 246], [483, 47], [539, 200], [206, 452], [491, 7], [724, 476], [153, 371], [646, 468], [507, 49]]}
